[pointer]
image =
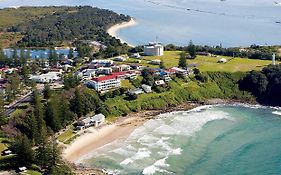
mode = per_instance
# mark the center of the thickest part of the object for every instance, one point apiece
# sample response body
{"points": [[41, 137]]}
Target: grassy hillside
{"points": [[208, 63], [219, 85], [10, 16]]}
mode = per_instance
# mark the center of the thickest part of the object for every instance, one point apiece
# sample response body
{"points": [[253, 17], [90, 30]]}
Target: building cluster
{"points": [[105, 75]]}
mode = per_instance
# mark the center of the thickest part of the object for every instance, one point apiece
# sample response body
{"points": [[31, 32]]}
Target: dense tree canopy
{"points": [[265, 85]]}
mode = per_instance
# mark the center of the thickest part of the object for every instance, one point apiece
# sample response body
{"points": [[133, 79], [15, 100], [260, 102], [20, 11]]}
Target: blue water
{"points": [[216, 140], [39, 53], [207, 22]]}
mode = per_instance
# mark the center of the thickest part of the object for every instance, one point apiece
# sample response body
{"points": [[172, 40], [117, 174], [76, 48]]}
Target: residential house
{"points": [[159, 82], [104, 63], [222, 60], [136, 91], [155, 62], [146, 88], [136, 55], [88, 74], [45, 78], [104, 70], [120, 59], [95, 120]]}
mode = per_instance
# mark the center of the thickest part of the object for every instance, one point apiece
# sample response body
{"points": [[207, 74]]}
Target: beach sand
{"points": [[114, 29], [105, 135], [120, 129]]}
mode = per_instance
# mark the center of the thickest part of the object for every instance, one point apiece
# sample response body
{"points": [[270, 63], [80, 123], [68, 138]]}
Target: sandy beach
{"points": [[120, 129], [96, 138], [114, 29]]}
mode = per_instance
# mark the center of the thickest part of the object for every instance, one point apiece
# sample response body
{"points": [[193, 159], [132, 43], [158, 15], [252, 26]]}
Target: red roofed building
{"points": [[107, 82]]}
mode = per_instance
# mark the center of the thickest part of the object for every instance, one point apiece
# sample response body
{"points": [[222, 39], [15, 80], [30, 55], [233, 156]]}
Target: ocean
{"points": [[209, 140], [205, 22]]}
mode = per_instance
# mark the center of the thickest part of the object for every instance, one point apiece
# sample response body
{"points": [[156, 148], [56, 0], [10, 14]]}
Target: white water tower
{"points": [[273, 59]]}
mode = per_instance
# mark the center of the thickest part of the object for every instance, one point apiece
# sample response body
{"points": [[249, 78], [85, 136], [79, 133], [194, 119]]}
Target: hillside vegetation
{"points": [[52, 26]]}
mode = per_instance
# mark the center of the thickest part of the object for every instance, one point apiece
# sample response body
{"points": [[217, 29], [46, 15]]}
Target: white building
{"points": [[102, 62], [45, 78], [96, 121], [154, 49], [120, 59], [104, 70], [88, 74], [146, 88], [104, 83], [155, 62]]}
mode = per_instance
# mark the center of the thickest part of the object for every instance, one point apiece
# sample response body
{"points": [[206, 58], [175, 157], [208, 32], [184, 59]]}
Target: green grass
{"points": [[127, 84], [68, 134], [208, 63], [10, 16], [8, 38], [32, 172], [3, 146]]}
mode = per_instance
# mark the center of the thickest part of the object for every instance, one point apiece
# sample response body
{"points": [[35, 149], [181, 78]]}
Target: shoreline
{"points": [[120, 129], [113, 30]]}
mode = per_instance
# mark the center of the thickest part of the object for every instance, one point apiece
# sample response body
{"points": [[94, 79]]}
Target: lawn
{"points": [[208, 63], [11, 16], [68, 134], [3, 146], [127, 84], [32, 172]]}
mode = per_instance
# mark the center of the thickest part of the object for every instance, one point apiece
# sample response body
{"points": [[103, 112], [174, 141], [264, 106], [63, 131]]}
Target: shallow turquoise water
{"points": [[230, 140]]}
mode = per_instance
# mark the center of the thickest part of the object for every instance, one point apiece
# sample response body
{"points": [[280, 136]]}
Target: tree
{"points": [[52, 115], [48, 154], [77, 103], [23, 149], [43, 154], [162, 65], [47, 91], [32, 126], [191, 49], [70, 54], [38, 113], [256, 82], [182, 60]]}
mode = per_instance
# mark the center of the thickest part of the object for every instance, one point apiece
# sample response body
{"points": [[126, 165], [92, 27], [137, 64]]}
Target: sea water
{"points": [[206, 22], [211, 140]]}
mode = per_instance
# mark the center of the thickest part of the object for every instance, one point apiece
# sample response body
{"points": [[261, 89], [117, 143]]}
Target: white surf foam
{"points": [[157, 167], [276, 112]]}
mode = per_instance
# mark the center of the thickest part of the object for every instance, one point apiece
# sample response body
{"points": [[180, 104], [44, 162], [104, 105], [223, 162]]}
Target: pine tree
{"points": [[182, 60], [23, 149], [33, 128], [38, 113], [47, 91], [191, 50], [52, 115], [77, 103]]}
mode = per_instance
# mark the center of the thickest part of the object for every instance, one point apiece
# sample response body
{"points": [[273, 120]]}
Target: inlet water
{"points": [[206, 22]]}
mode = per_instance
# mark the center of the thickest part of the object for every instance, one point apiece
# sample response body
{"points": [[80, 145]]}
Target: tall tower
{"points": [[273, 59]]}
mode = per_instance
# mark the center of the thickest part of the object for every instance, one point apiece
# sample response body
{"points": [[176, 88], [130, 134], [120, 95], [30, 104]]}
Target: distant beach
{"points": [[114, 29]]}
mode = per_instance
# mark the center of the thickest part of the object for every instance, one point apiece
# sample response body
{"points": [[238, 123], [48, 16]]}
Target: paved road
{"points": [[12, 108]]}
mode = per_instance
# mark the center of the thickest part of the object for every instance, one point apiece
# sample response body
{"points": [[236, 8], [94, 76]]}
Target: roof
{"points": [[114, 75], [97, 117]]}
